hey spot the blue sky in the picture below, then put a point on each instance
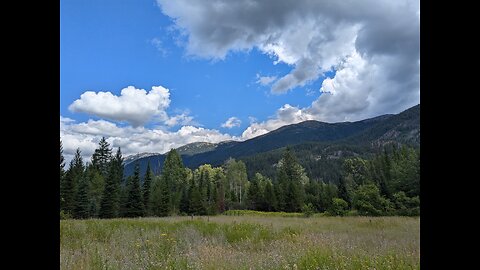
(210, 58)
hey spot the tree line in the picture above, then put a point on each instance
(387, 184)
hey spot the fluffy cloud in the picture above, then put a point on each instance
(180, 119)
(134, 106)
(373, 46)
(132, 140)
(232, 122)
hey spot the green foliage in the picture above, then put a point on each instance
(237, 182)
(270, 197)
(160, 202)
(102, 156)
(174, 177)
(110, 204)
(406, 206)
(368, 201)
(146, 188)
(308, 210)
(291, 178)
(134, 206)
(72, 178)
(338, 208)
(81, 209)
(64, 215)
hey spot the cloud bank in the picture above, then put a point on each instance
(373, 45)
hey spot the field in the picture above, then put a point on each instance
(241, 242)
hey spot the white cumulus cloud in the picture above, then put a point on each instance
(132, 140)
(232, 122)
(134, 106)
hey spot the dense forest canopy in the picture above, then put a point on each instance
(386, 183)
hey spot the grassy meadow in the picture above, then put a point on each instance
(247, 241)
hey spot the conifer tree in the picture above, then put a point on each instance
(74, 174)
(102, 156)
(81, 208)
(270, 198)
(173, 174)
(62, 175)
(134, 206)
(110, 205)
(147, 182)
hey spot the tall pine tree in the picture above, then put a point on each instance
(147, 183)
(173, 175)
(81, 208)
(110, 205)
(72, 179)
(62, 175)
(290, 177)
(134, 205)
(102, 156)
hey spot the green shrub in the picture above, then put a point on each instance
(308, 210)
(64, 215)
(368, 201)
(338, 208)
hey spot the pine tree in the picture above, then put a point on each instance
(160, 203)
(290, 176)
(173, 174)
(62, 175)
(74, 174)
(253, 195)
(110, 205)
(270, 198)
(147, 182)
(185, 201)
(134, 206)
(101, 157)
(81, 208)
(196, 203)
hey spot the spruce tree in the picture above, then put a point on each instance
(62, 175)
(196, 203)
(164, 207)
(102, 156)
(185, 201)
(270, 198)
(290, 175)
(110, 204)
(134, 206)
(81, 208)
(74, 174)
(173, 174)
(253, 195)
(147, 182)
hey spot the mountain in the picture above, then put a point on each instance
(200, 147)
(131, 158)
(319, 146)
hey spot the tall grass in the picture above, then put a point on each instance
(241, 242)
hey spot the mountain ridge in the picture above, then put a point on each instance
(367, 134)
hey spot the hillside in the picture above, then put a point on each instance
(319, 146)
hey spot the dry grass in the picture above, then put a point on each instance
(241, 242)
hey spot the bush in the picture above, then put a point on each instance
(339, 207)
(406, 206)
(64, 215)
(368, 201)
(308, 210)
